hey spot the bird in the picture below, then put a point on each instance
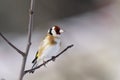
(49, 46)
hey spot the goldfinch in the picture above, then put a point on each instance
(49, 46)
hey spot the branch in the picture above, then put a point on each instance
(19, 51)
(30, 26)
(51, 59)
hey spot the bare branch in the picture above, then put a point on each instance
(51, 59)
(18, 50)
(30, 26)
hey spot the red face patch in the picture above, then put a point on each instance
(57, 29)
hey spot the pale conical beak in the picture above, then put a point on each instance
(61, 31)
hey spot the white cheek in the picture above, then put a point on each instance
(54, 33)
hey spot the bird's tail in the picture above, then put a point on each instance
(34, 63)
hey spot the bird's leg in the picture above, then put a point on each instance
(44, 63)
(53, 58)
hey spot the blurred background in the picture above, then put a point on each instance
(93, 26)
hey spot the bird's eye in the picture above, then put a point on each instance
(50, 31)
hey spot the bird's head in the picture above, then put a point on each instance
(55, 31)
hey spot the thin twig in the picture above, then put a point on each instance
(14, 47)
(51, 59)
(30, 26)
